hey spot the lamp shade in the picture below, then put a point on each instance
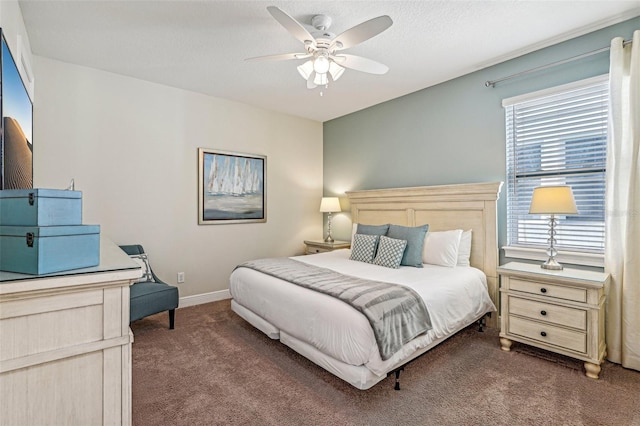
(320, 79)
(553, 200)
(306, 69)
(330, 205)
(335, 70)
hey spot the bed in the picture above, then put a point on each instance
(338, 337)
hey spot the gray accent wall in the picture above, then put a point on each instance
(450, 133)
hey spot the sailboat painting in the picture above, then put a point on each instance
(231, 187)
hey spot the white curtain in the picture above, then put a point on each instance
(622, 220)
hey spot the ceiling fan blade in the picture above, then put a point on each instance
(359, 63)
(280, 57)
(294, 27)
(361, 32)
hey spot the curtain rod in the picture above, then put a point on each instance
(492, 83)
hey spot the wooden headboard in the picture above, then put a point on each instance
(444, 207)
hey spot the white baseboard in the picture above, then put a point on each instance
(199, 299)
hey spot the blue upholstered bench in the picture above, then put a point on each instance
(152, 295)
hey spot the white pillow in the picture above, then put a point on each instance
(143, 261)
(441, 248)
(464, 249)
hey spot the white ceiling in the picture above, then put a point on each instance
(201, 45)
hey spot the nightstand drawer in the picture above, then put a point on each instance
(319, 246)
(549, 290)
(314, 250)
(560, 315)
(550, 334)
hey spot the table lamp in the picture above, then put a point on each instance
(552, 200)
(329, 205)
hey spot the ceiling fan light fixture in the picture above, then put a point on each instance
(321, 79)
(321, 64)
(321, 47)
(306, 69)
(335, 70)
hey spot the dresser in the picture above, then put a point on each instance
(319, 246)
(65, 344)
(559, 311)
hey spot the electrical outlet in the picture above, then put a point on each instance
(180, 277)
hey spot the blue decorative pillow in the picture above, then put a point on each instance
(390, 252)
(372, 229)
(414, 236)
(363, 247)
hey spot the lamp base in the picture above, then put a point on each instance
(552, 264)
(329, 239)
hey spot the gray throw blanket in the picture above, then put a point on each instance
(396, 313)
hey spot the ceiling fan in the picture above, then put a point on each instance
(323, 49)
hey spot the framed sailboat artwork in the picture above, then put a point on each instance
(232, 187)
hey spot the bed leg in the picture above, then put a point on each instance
(482, 323)
(397, 385)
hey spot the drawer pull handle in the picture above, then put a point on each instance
(543, 333)
(543, 290)
(543, 313)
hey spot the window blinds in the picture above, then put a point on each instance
(558, 139)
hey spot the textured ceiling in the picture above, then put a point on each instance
(201, 45)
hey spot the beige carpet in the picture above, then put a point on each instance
(215, 369)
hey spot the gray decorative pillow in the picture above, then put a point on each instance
(363, 247)
(143, 261)
(414, 236)
(390, 252)
(372, 229)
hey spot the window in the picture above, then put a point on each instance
(558, 137)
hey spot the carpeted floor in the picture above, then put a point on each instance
(216, 369)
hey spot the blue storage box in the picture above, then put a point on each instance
(43, 250)
(40, 207)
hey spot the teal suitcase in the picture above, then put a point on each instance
(43, 250)
(40, 207)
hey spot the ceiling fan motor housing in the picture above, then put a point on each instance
(321, 22)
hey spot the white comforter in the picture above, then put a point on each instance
(455, 297)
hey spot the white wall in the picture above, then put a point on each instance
(131, 147)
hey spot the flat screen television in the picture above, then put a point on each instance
(16, 139)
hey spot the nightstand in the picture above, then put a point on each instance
(559, 311)
(319, 246)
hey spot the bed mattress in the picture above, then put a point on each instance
(329, 328)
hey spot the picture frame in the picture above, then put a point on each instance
(232, 187)
(16, 125)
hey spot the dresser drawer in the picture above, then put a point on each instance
(561, 315)
(549, 290)
(547, 333)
